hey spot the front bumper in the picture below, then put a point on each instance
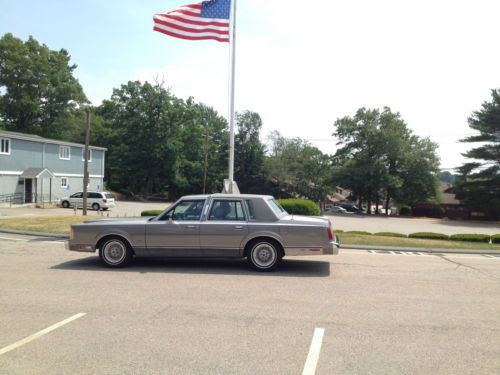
(84, 248)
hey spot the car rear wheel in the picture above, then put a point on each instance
(65, 204)
(115, 252)
(96, 206)
(264, 255)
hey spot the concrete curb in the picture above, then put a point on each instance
(38, 234)
(422, 250)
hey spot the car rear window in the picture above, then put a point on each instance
(108, 195)
(276, 206)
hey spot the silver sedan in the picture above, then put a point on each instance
(254, 227)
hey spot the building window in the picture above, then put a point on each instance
(65, 152)
(5, 146)
(64, 183)
(89, 158)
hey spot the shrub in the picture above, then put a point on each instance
(495, 238)
(428, 210)
(151, 213)
(390, 234)
(429, 236)
(405, 211)
(300, 207)
(470, 237)
(360, 232)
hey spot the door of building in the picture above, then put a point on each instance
(28, 190)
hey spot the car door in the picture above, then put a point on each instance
(177, 233)
(224, 228)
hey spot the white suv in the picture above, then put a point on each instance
(101, 200)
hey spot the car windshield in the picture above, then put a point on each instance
(276, 207)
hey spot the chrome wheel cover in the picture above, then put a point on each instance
(264, 255)
(114, 252)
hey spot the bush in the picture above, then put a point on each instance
(405, 211)
(495, 238)
(300, 207)
(429, 236)
(428, 210)
(390, 234)
(151, 212)
(470, 237)
(360, 232)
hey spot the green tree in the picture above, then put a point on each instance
(381, 158)
(38, 90)
(142, 121)
(479, 187)
(249, 153)
(295, 168)
(203, 133)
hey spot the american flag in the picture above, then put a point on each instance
(205, 20)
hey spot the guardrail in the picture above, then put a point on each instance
(16, 198)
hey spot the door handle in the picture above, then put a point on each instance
(238, 227)
(191, 227)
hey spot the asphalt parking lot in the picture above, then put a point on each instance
(381, 313)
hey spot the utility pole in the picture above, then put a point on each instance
(86, 164)
(206, 161)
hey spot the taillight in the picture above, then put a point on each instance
(104, 200)
(330, 233)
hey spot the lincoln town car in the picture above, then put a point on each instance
(255, 227)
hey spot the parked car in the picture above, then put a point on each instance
(101, 200)
(350, 207)
(337, 210)
(255, 227)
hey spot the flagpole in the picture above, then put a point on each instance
(232, 50)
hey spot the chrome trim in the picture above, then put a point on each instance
(295, 251)
(78, 247)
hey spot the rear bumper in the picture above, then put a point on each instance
(331, 249)
(79, 247)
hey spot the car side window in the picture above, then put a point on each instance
(227, 211)
(251, 210)
(189, 210)
(77, 195)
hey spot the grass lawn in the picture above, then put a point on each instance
(46, 224)
(356, 239)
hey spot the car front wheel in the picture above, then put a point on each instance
(115, 252)
(65, 204)
(264, 255)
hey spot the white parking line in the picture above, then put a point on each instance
(12, 239)
(40, 333)
(313, 356)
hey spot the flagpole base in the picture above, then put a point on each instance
(230, 187)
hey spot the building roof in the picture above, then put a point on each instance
(36, 173)
(447, 194)
(37, 138)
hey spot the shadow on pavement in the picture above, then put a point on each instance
(289, 268)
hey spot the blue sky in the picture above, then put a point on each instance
(300, 65)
